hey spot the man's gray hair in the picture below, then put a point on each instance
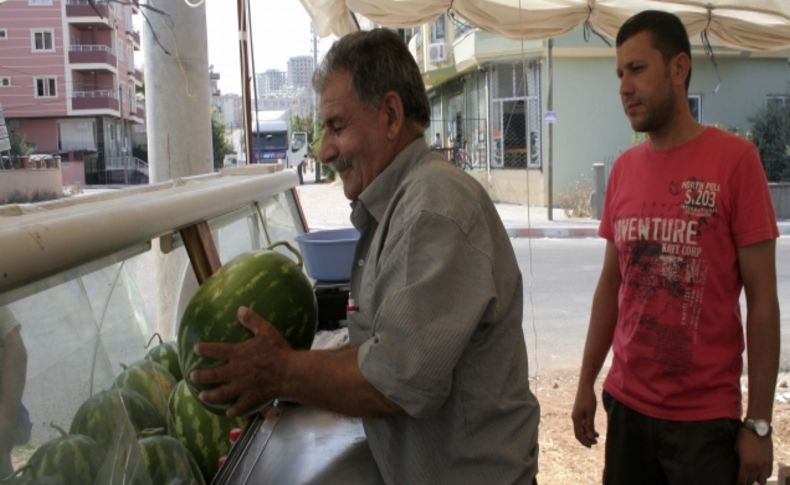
(378, 62)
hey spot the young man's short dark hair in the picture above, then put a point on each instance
(666, 30)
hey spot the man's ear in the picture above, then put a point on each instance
(392, 110)
(680, 66)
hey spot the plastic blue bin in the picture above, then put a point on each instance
(329, 255)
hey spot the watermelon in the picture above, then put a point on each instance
(203, 433)
(103, 415)
(267, 282)
(71, 459)
(166, 355)
(150, 380)
(167, 461)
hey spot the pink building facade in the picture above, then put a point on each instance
(68, 80)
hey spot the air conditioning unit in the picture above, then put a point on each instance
(437, 53)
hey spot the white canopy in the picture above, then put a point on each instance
(742, 24)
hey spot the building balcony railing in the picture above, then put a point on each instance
(92, 54)
(135, 37)
(84, 8)
(95, 99)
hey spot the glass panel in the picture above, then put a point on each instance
(81, 329)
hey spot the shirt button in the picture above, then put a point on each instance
(361, 263)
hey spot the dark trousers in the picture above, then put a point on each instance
(641, 450)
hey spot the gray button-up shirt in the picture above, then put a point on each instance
(439, 327)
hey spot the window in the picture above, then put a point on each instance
(437, 29)
(778, 99)
(695, 105)
(39, 2)
(43, 41)
(5, 82)
(46, 87)
(3, 34)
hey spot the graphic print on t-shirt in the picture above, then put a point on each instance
(666, 273)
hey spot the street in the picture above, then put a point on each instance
(559, 280)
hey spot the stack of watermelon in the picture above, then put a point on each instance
(119, 433)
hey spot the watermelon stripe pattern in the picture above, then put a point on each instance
(166, 355)
(267, 282)
(150, 380)
(106, 413)
(71, 460)
(203, 434)
(167, 461)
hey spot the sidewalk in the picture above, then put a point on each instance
(325, 207)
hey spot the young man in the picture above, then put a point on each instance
(437, 365)
(689, 223)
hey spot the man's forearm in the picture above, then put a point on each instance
(14, 370)
(331, 379)
(762, 340)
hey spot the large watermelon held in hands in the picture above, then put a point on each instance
(267, 282)
(150, 380)
(166, 355)
(103, 415)
(71, 459)
(167, 461)
(203, 433)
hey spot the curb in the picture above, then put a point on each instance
(552, 232)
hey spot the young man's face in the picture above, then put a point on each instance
(646, 88)
(354, 136)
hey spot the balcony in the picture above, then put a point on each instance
(134, 36)
(92, 54)
(82, 12)
(105, 99)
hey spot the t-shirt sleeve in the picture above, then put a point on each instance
(422, 328)
(753, 218)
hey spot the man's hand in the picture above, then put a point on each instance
(583, 416)
(254, 371)
(756, 457)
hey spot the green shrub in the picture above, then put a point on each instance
(771, 134)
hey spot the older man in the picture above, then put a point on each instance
(437, 365)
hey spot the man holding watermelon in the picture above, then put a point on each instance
(437, 366)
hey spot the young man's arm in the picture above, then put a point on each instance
(603, 319)
(757, 265)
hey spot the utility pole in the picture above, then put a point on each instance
(316, 163)
(245, 79)
(550, 108)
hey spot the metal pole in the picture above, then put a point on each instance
(316, 163)
(254, 75)
(245, 80)
(550, 107)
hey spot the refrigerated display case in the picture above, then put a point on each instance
(91, 279)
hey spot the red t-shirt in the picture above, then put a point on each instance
(676, 218)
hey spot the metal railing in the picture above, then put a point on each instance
(91, 48)
(95, 93)
(87, 2)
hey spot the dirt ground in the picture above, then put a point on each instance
(564, 461)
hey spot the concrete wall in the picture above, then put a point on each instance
(73, 173)
(28, 181)
(780, 194)
(513, 186)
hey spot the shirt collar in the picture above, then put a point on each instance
(376, 196)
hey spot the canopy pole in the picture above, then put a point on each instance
(550, 107)
(245, 79)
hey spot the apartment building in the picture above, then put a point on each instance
(68, 82)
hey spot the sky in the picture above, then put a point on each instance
(281, 29)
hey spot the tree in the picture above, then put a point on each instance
(221, 144)
(20, 146)
(771, 136)
(303, 123)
